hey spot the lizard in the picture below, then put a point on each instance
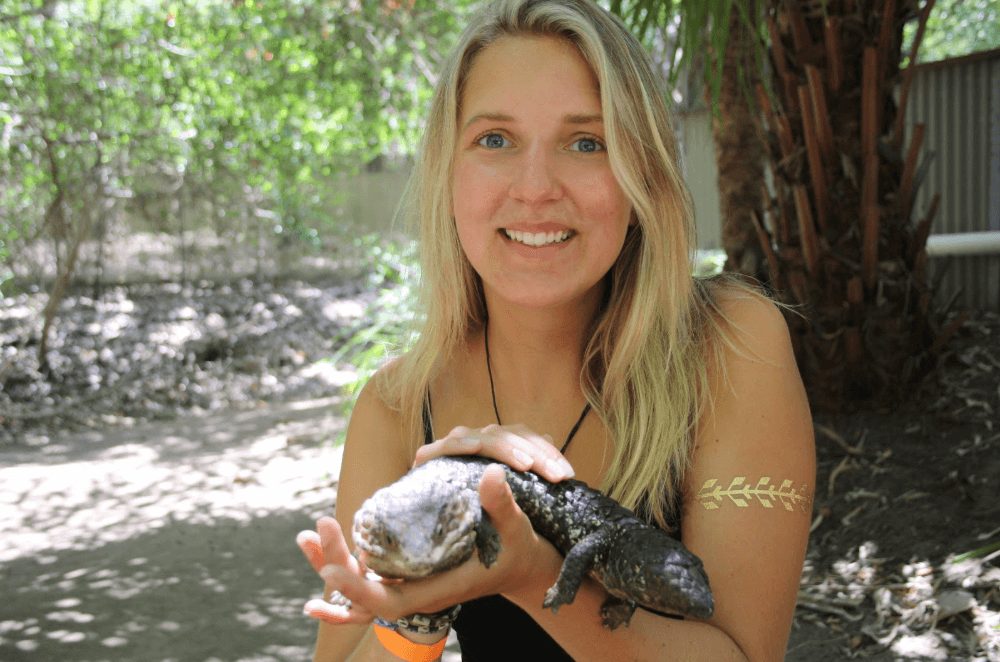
(430, 520)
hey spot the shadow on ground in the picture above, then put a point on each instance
(226, 591)
(170, 541)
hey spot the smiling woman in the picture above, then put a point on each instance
(564, 335)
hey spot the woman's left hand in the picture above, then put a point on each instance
(517, 446)
(525, 560)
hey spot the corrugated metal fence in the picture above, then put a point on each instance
(959, 102)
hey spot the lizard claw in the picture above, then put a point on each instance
(554, 599)
(615, 612)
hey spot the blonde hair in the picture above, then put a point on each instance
(644, 366)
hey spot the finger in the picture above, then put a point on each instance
(365, 595)
(497, 499)
(469, 443)
(515, 445)
(333, 543)
(395, 599)
(336, 614)
(524, 450)
(548, 461)
(312, 546)
(492, 441)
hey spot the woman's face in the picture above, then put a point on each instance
(539, 213)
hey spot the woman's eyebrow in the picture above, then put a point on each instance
(593, 118)
(573, 118)
(493, 117)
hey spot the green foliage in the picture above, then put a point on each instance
(678, 31)
(981, 552)
(956, 28)
(240, 108)
(708, 263)
(390, 319)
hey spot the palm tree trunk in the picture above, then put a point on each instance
(739, 152)
(848, 251)
(836, 229)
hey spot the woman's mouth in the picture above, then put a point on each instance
(537, 239)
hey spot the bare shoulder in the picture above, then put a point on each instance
(758, 407)
(754, 327)
(371, 412)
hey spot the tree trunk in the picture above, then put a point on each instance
(64, 276)
(842, 241)
(739, 152)
(838, 232)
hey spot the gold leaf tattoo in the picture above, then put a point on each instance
(742, 493)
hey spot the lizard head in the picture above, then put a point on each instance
(405, 533)
(669, 578)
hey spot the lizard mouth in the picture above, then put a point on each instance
(410, 555)
(403, 564)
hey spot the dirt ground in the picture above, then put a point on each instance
(159, 524)
(903, 497)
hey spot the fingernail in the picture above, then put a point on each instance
(468, 442)
(567, 468)
(328, 572)
(553, 469)
(523, 457)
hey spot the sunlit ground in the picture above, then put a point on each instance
(171, 541)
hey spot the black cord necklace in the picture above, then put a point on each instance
(493, 395)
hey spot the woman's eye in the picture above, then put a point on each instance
(587, 145)
(493, 141)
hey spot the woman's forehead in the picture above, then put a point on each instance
(517, 70)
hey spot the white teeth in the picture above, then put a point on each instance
(537, 238)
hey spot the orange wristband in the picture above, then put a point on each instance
(407, 650)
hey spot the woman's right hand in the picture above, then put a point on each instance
(517, 446)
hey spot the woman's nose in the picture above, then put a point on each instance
(535, 178)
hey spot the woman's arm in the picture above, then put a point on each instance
(757, 439)
(374, 455)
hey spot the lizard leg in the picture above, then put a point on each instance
(579, 560)
(616, 611)
(487, 541)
